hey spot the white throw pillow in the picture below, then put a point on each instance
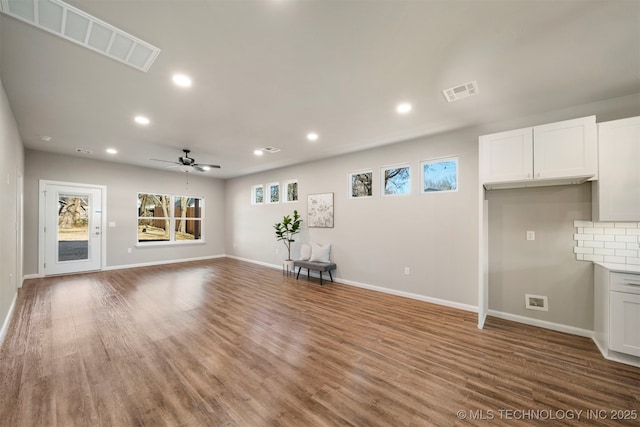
(320, 253)
(305, 252)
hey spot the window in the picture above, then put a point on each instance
(360, 184)
(274, 193)
(396, 180)
(257, 194)
(291, 190)
(439, 175)
(166, 218)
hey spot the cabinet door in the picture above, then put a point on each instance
(625, 323)
(507, 156)
(566, 149)
(618, 188)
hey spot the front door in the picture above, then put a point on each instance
(73, 228)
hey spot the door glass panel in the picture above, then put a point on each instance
(73, 227)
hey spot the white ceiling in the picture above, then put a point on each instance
(267, 72)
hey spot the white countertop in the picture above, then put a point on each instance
(620, 268)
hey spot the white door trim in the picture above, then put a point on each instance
(42, 220)
(19, 228)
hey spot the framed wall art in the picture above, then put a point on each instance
(320, 210)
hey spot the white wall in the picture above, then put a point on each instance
(123, 182)
(11, 165)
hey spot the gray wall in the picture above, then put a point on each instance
(436, 235)
(546, 265)
(374, 239)
(123, 182)
(11, 166)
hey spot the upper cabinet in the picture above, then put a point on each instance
(552, 154)
(616, 195)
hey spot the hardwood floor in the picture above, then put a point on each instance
(224, 342)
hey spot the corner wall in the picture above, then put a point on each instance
(11, 168)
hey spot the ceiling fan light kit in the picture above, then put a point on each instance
(188, 164)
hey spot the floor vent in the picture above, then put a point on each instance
(70, 23)
(462, 91)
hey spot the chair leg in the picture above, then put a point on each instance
(321, 278)
(299, 268)
(308, 274)
(330, 275)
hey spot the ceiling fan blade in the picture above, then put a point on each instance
(204, 165)
(166, 161)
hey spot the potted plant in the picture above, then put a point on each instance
(285, 231)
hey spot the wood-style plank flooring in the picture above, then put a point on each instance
(225, 342)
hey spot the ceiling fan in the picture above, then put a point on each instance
(188, 164)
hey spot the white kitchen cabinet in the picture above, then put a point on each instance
(508, 156)
(617, 314)
(557, 153)
(616, 194)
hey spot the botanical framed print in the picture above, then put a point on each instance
(439, 175)
(273, 194)
(291, 190)
(396, 180)
(257, 194)
(320, 210)
(360, 184)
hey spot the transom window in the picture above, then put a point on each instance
(167, 218)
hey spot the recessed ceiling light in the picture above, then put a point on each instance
(258, 152)
(182, 80)
(141, 120)
(403, 108)
(112, 151)
(205, 168)
(45, 138)
(312, 136)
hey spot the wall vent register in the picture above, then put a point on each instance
(72, 24)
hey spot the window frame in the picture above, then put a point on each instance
(383, 181)
(173, 221)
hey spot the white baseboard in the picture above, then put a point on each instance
(7, 320)
(418, 297)
(438, 301)
(542, 324)
(142, 264)
(152, 263)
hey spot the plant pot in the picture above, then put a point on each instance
(287, 266)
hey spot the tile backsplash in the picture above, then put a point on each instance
(611, 242)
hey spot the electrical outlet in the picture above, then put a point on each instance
(129, 250)
(407, 271)
(531, 235)
(277, 251)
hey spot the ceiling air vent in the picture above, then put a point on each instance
(84, 151)
(462, 91)
(70, 23)
(271, 150)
